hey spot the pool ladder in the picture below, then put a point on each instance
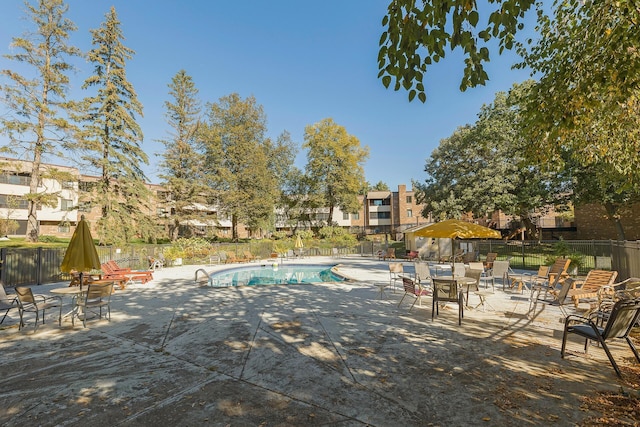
(210, 279)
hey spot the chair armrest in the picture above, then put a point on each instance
(576, 319)
(45, 298)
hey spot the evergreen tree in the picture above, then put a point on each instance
(182, 163)
(111, 137)
(36, 123)
(334, 166)
(239, 171)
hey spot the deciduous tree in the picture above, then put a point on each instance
(239, 169)
(481, 169)
(583, 115)
(418, 32)
(36, 123)
(334, 167)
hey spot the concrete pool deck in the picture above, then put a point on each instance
(177, 352)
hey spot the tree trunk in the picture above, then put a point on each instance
(614, 216)
(234, 228)
(174, 230)
(33, 229)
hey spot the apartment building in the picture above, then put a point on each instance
(380, 212)
(391, 212)
(61, 181)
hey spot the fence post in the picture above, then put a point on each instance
(3, 270)
(39, 266)
(523, 264)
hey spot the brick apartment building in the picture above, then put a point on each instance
(381, 212)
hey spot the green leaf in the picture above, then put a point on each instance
(473, 18)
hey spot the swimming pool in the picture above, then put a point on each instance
(274, 274)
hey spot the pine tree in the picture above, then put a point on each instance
(36, 123)
(111, 137)
(182, 163)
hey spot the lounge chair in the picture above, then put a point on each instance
(248, 256)
(109, 274)
(624, 315)
(412, 255)
(557, 270)
(390, 253)
(229, 257)
(587, 289)
(117, 269)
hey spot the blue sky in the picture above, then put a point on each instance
(302, 61)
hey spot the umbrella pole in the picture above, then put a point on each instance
(81, 279)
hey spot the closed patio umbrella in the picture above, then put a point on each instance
(81, 254)
(298, 245)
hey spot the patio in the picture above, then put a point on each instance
(180, 353)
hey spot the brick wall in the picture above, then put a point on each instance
(592, 223)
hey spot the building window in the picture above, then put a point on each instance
(13, 202)
(87, 186)
(379, 215)
(379, 202)
(164, 196)
(63, 228)
(409, 198)
(66, 204)
(355, 216)
(84, 206)
(345, 216)
(70, 185)
(15, 179)
(409, 213)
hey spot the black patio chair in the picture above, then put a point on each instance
(623, 316)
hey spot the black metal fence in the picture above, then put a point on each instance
(42, 265)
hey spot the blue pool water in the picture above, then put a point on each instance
(278, 274)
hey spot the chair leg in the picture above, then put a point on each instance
(5, 316)
(610, 356)
(21, 325)
(633, 348)
(402, 299)
(564, 341)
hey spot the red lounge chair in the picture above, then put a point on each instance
(129, 276)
